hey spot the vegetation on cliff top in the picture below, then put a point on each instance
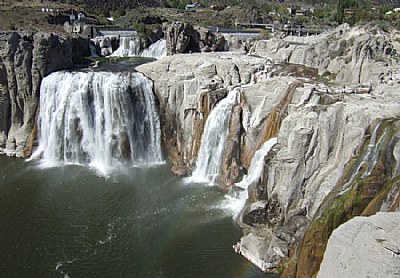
(40, 14)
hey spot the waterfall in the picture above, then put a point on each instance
(157, 50)
(236, 199)
(101, 119)
(370, 157)
(215, 135)
(128, 47)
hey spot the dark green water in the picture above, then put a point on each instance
(69, 222)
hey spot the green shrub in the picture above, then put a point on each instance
(264, 35)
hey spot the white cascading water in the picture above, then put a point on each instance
(157, 50)
(101, 119)
(237, 197)
(128, 47)
(215, 135)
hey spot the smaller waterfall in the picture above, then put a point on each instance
(131, 47)
(128, 47)
(373, 150)
(157, 50)
(236, 199)
(370, 157)
(101, 119)
(373, 153)
(215, 135)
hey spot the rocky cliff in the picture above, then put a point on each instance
(25, 58)
(337, 154)
(351, 55)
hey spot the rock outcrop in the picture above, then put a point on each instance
(364, 247)
(353, 55)
(185, 38)
(25, 59)
(189, 86)
(322, 131)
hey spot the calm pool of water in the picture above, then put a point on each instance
(69, 222)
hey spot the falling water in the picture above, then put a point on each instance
(373, 149)
(238, 195)
(216, 131)
(131, 47)
(370, 158)
(128, 47)
(157, 50)
(102, 119)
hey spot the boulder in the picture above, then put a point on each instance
(364, 247)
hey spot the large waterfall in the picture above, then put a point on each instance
(102, 119)
(237, 197)
(215, 135)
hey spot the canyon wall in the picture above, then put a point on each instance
(25, 58)
(349, 55)
(312, 179)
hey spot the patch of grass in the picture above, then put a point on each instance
(131, 61)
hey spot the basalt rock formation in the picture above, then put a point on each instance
(189, 86)
(185, 38)
(370, 243)
(25, 58)
(353, 55)
(337, 154)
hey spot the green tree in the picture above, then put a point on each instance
(342, 5)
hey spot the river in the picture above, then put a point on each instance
(67, 221)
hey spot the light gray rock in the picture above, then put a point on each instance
(364, 247)
(188, 87)
(25, 59)
(354, 55)
(319, 128)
